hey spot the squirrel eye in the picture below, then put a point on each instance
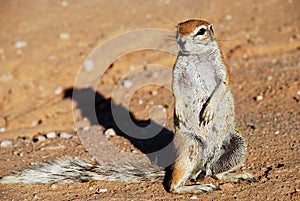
(201, 32)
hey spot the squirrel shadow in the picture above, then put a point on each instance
(99, 111)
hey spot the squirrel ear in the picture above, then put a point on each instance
(211, 29)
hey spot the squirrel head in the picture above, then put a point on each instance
(195, 37)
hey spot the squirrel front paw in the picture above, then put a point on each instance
(207, 114)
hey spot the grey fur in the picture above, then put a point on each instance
(70, 170)
(205, 137)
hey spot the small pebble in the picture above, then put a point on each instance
(102, 190)
(34, 123)
(127, 83)
(53, 186)
(41, 88)
(228, 17)
(91, 188)
(20, 44)
(58, 90)
(259, 97)
(89, 65)
(110, 132)
(270, 78)
(140, 101)
(39, 138)
(134, 151)
(194, 197)
(277, 132)
(86, 128)
(6, 143)
(64, 36)
(65, 135)
(64, 3)
(154, 93)
(2, 129)
(298, 92)
(51, 135)
(6, 76)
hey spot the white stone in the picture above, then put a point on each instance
(110, 132)
(65, 135)
(102, 190)
(40, 138)
(298, 92)
(194, 197)
(20, 44)
(134, 151)
(2, 129)
(228, 17)
(58, 90)
(140, 101)
(154, 93)
(259, 97)
(86, 128)
(51, 135)
(127, 83)
(270, 78)
(6, 143)
(89, 65)
(64, 36)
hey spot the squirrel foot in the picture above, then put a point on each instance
(236, 177)
(196, 189)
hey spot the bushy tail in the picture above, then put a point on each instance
(70, 170)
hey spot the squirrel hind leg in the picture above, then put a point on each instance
(182, 171)
(233, 157)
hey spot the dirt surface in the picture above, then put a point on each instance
(44, 43)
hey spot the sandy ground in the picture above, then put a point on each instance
(44, 43)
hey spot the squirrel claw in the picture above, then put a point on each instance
(207, 116)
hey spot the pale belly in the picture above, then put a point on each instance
(192, 87)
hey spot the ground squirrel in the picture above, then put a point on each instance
(205, 138)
